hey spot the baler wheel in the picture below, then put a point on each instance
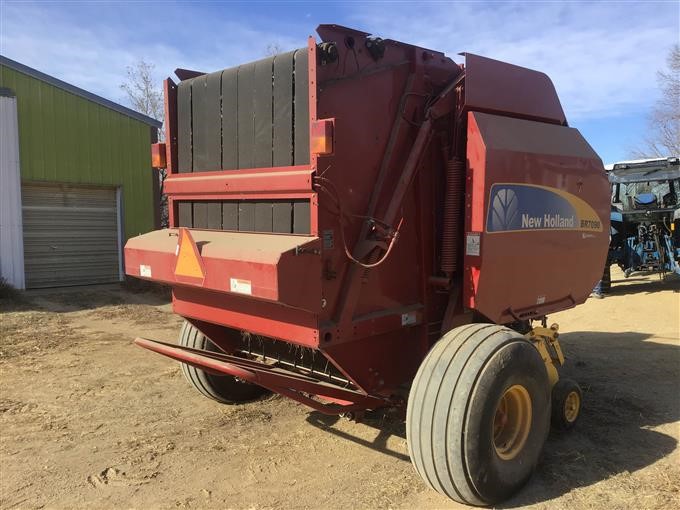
(478, 414)
(567, 399)
(226, 389)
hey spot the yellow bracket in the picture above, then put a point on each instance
(546, 342)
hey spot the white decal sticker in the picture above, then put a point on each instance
(241, 286)
(540, 300)
(472, 241)
(408, 319)
(145, 271)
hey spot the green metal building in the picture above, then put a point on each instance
(75, 183)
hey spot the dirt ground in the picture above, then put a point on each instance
(87, 420)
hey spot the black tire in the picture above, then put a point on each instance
(222, 388)
(567, 401)
(452, 410)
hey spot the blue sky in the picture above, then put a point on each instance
(602, 56)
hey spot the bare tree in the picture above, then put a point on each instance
(145, 95)
(664, 121)
(273, 49)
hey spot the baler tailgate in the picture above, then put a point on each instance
(281, 268)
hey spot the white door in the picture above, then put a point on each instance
(11, 247)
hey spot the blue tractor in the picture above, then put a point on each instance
(645, 216)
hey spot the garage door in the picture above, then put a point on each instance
(70, 235)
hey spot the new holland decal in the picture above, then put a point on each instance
(519, 207)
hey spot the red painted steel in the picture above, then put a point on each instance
(377, 281)
(517, 91)
(281, 268)
(289, 179)
(170, 101)
(273, 378)
(543, 271)
(266, 318)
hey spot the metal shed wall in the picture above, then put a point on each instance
(67, 138)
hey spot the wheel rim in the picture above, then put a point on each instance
(512, 422)
(572, 406)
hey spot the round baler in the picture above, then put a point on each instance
(362, 224)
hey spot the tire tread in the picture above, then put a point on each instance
(436, 401)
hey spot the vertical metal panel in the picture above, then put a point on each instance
(206, 122)
(301, 108)
(246, 216)
(184, 142)
(67, 138)
(263, 111)
(199, 124)
(230, 216)
(230, 119)
(246, 129)
(70, 235)
(283, 217)
(200, 215)
(215, 215)
(11, 233)
(301, 218)
(186, 214)
(264, 108)
(263, 216)
(282, 142)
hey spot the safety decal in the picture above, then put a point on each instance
(518, 207)
(240, 286)
(472, 243)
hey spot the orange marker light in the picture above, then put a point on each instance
(158, 155)
(322, 136)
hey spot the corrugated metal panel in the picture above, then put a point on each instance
(70, 235)
(66, 138)
(17, 66)
(11, 244)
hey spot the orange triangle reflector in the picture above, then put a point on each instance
(189, 266)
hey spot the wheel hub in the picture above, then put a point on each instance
(512, 422)
(572, 406)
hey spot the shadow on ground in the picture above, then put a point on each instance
(642, 285)
(90, 297)
(629, 385)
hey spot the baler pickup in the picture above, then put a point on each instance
(280, 268)
(334, 399)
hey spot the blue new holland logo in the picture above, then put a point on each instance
(517, 207)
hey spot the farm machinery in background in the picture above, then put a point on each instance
(361, 224)
(645, 216)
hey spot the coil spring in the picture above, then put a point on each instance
(452, 215)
